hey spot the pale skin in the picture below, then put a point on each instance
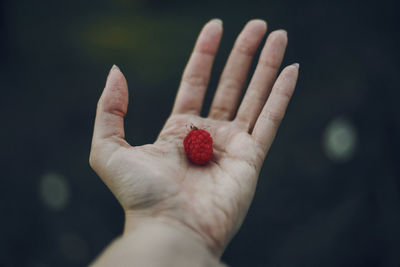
(157, 186)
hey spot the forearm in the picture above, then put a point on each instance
(156, 244)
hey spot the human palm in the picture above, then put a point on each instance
(157, 180)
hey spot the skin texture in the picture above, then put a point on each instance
(156, 181)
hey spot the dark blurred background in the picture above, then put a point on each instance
(329, 192)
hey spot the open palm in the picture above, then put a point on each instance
(157, 180)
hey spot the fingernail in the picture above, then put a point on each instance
(259, 21)
(297, 65)
(283, 31)
(217, 21)
(114, 67)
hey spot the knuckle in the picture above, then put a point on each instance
(220, 111)
(92, 161)
(194, 80)
(231, 82)
(270, 63)
(275, 117)
(247, 43)
(284, 92)
(117, 111)
(242, 121)
(207, 49)
(243, 47)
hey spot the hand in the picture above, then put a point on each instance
(157, 181)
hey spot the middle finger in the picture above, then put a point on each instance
(236, 71)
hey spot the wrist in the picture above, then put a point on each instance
(137, 219)
(168, 242)
(152, 242)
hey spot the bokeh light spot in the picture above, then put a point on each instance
(54, 191)
(340, 140)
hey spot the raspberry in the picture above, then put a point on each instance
(198, 146)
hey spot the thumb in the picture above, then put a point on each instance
(109, 133)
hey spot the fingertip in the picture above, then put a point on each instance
(209, 37)
(280, 32)
(297, 65)
(216, 21)
(279, 36)
(258, 23)
(257, 26)
(289, 76)
(293, 68)
(214, 27)
(115, 76)
(115, 67)
(290, 72)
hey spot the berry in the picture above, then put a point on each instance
(198, 146)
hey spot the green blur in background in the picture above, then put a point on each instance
(329, 192)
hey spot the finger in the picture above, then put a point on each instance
(263, 79)
(272, 114)
(111, 110)
(235, 73)
(197, 72)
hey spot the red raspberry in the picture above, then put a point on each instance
(198, 146)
